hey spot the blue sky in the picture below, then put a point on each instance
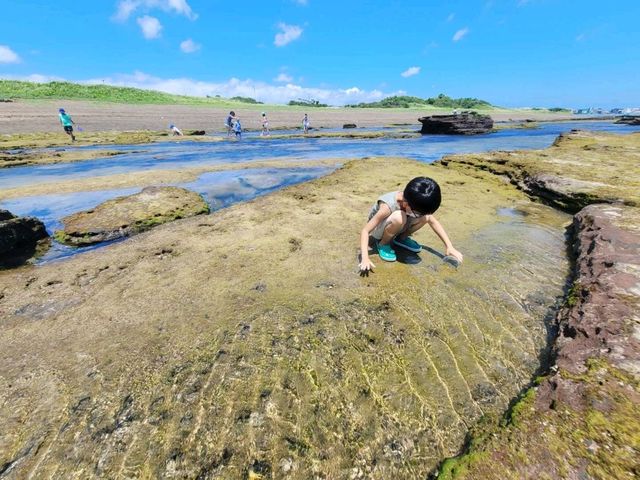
(509, 52)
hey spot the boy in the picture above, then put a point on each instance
(305, 123)
(265, 125)
(175, 130)
(396, 215)
(67, 123)
(237, 127)
(229, 122)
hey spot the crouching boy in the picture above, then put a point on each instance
(397, 215)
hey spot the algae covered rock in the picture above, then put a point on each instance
(245, 344)
(458, 124)
(581, 168)
(20, 238)
(125, 216)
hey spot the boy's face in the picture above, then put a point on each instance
(409, 211)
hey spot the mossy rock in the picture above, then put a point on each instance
(129, 215)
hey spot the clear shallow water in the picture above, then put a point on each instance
(221, 189)
(166, 156)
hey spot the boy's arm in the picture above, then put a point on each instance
(383, 212)
(439, 230)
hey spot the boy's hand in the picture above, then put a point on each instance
(365, 267)
(454, 253)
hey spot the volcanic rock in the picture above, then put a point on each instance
(20, 237)
(129, 215)
(629, 120)
(458, 124)
(349, 125)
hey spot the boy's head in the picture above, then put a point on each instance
(423, 195)
(61, 110)
(232, 113)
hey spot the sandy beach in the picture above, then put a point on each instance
(24, 116)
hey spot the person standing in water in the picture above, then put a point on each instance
(265, 125)
(305, 123)
(237, 128)
(67, 123)
(229, 122)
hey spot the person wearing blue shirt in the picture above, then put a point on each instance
(67, 123)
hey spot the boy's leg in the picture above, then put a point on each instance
(414, 226)
(393, 225)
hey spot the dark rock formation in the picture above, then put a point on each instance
(196, 133)
(599, 319)
(126, 216)
(20, 238)
(458, 124)
(349, 125)
(629, 120)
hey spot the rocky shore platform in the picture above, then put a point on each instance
(244, 344)
(130, 215)
(581, 418)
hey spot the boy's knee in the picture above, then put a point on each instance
(397, 218)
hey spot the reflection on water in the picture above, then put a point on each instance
(426, 148)
(219, 189)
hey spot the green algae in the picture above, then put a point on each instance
(603, 434)
(584, 168)
(245, 340)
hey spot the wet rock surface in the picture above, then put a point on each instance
(130, 215)
(243, 344)
(580, 168)
(20, 238)
(629, 120)
(457, 124)
(581, 420)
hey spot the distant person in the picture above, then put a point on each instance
(67, 123)
(305, 123)
(175, 130)
(237, 128)
(397, 215)
(265, 125)
(229, 122)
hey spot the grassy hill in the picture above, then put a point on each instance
(441, 101)
(14, 89)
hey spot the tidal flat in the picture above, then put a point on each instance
(244, 343)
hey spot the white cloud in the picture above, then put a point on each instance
(460, 34)
(127, 7)
(410, 72)
(34, 77)
(284, 78)
(150, 26)
(7, 55)
(288, 34)
(261, 91)
(189, 46)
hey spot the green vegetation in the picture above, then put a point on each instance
(442, 101)
(306, 103)
(14, 89)
(246, 100)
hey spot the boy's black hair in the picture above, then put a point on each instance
(423, 195)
